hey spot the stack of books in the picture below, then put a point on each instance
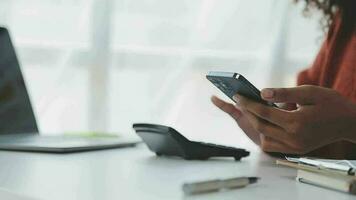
(325, 174)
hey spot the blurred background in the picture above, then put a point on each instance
(102, 65)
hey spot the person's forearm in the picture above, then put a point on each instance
(337, 150)
(351, 129)
(351, 135)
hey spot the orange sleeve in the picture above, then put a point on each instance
(311, 75)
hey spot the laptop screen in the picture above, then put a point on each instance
(16, 114)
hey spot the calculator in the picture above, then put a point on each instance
(166, 141)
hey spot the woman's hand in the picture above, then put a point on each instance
(322, 117)
(239, 117)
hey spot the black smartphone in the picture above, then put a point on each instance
(231, 83)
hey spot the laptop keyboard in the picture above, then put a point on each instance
(35, 140)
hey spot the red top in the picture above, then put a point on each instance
(335, 65)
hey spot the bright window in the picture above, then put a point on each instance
(105, 64)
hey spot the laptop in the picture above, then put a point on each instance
(18, 126)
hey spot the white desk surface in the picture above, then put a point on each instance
(136, 173)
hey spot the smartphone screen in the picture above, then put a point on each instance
(231, 83)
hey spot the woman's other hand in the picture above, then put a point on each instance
(239, 117)
(322, 117)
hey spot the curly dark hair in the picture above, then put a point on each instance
(346, 8)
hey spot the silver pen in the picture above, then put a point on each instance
(217, 185)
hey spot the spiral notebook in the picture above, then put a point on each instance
(337, 175)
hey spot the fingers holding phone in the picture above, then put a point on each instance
(239, 116)
(310, 117)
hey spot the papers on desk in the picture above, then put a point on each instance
(342, 166)
(333, 174)
(7, 195)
